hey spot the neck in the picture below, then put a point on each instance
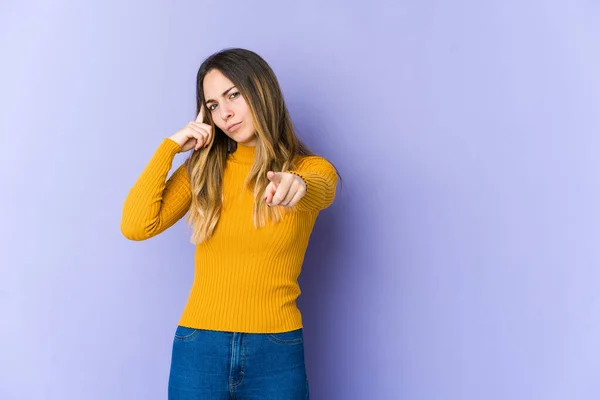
(244, 153)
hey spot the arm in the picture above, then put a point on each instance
(321, 181)
(152, 204)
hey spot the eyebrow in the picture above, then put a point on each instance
(223, 94)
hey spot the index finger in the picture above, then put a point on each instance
(200, 117)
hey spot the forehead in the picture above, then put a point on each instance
(215, 83)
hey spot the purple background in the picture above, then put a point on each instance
(460, 260)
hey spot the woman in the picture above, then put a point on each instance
(252, 191)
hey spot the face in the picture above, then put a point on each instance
(228, 108)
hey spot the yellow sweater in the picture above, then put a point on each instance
(245, 279)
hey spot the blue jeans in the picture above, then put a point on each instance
(215, 365)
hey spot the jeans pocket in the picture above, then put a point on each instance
(291, 337)
(185, 333)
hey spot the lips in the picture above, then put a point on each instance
(233, 126)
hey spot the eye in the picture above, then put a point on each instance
(236, 94)
(211, 107)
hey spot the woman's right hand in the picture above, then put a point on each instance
(194, 135)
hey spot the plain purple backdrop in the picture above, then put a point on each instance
(460, 260)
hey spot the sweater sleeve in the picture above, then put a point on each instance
(152, 204)
(321, 181)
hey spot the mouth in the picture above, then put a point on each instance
(233, 126)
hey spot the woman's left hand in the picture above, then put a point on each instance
(285, 189)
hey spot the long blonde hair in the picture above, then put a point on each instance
(276, 144)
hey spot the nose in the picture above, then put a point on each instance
(226, 112)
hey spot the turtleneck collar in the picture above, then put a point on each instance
(244, 154)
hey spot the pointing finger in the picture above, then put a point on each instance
(200, 117)
(274, 177)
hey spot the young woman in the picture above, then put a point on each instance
(252, 192)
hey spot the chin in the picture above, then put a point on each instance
(242, 137)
